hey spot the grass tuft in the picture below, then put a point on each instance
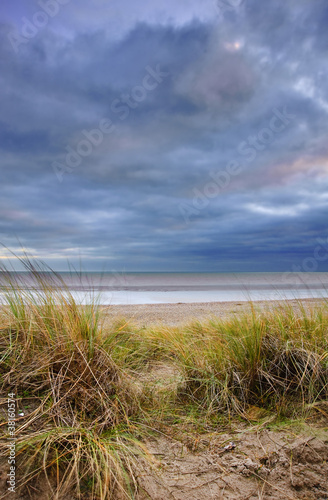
(54, 353)
(96, 389)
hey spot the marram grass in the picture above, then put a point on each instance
(55, 353)
(97, 389)
(77, 459)
(276, 360)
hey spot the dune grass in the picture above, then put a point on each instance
(94, 388)
(276, 360)
(54, 353)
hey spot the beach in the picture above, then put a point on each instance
(178, 314)
(183, 400)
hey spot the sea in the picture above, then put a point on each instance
(160, 288)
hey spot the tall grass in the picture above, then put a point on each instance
(81, 460)
(93, 385)
(277, 360)
(54, 352)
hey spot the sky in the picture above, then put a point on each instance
(163, 135)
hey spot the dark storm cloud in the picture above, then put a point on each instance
(224, 77)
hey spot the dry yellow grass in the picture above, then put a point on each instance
(95, 390)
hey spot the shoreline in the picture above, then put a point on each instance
(179, 313)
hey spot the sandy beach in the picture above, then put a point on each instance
(177, 314)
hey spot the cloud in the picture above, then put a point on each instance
(120, 205)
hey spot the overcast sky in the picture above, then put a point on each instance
(165, 135)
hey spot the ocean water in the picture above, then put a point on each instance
(152, 288)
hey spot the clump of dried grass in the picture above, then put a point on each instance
(276, 360)
(80, 462)
(55, 351)
(92, 383)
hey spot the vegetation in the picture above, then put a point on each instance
(93, 389)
